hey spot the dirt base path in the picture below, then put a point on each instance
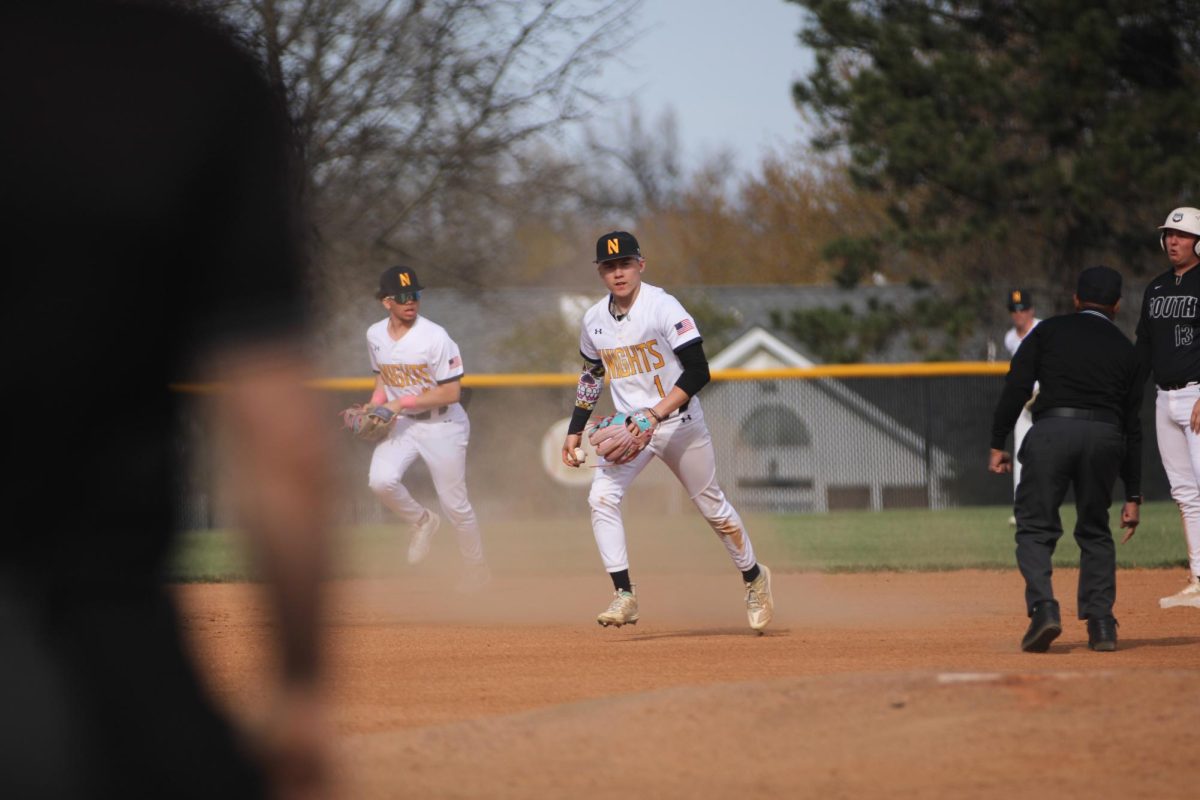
(893, 684)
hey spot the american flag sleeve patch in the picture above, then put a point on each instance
(684, 326)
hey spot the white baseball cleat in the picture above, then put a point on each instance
(475, 578)
(760, 605)
(621, 611)
(1190, 596)
(422, 535)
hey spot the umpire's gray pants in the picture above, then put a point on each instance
(1058, 453)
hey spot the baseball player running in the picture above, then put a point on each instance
(651, 349)
(418, 371)
(1168, 341)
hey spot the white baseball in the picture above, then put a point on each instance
(580, 456)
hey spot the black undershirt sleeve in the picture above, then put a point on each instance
(579, 420)
(583, 411)
(695, 368)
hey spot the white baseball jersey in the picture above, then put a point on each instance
(1012, 339)
(638, 350)
(425, 357)
(420, 360)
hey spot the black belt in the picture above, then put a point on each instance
(1168, 387)
(1093, 414)
(427, 414)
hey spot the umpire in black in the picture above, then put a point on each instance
(1085, 431)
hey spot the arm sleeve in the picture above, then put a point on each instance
(1018, 387)
(695, 368)
(584, 406)
(1142, 344)
(1131, 467)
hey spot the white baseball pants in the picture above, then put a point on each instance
(1180, 451)
(441, 442)
(685, 446)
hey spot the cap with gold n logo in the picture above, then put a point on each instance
(1019, 300)
(618, 244)
(397, 280)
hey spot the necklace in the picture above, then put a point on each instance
(612, 309)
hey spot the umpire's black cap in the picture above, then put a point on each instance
(1099, 285)
(398, 280)
(617, 244)
(1019, 300)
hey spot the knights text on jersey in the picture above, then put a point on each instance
(638, 351)
(1168, 330)
(423, 358)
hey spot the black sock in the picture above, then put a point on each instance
(749, 575)
(621, 581)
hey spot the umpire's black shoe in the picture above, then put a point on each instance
(1044, 627)
(1102, 634)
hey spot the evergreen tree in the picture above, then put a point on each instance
(1030, 138)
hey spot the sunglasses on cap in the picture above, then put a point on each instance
(406, 297)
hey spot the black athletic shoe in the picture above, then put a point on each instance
(1044, 627)
(1102, 634)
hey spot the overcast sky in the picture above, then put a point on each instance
(725, 67)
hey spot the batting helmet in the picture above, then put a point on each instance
(1185, 219)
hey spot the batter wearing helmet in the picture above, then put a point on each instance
(650, 346)
(418, 373)
(1168, 342)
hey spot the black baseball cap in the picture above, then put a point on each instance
(1099, 285)
(617, 244)
(1019, 300)
(398, 280)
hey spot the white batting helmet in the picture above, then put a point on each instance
(1185, 219)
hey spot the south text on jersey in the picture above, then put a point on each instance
(1173, 307)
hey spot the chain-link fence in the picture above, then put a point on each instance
(782, 445)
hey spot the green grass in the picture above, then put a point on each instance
(847, 541)
(956, 538)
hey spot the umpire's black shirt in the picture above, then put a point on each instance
(1081, 360)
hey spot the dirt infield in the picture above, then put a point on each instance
(882, 684)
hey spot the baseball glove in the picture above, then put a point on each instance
(618, 438)
(367, 422)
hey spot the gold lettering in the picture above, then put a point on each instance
(623, 370)
(610, 361)
(401, 375)
(614, 247)
(658, 359)
(405, 279)
(635, 358)
(621, 362)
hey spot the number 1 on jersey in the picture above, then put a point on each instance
(658, 385)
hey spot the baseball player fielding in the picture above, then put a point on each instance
(651, 348)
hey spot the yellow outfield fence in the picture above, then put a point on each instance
(797, 440)
(550, 379)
